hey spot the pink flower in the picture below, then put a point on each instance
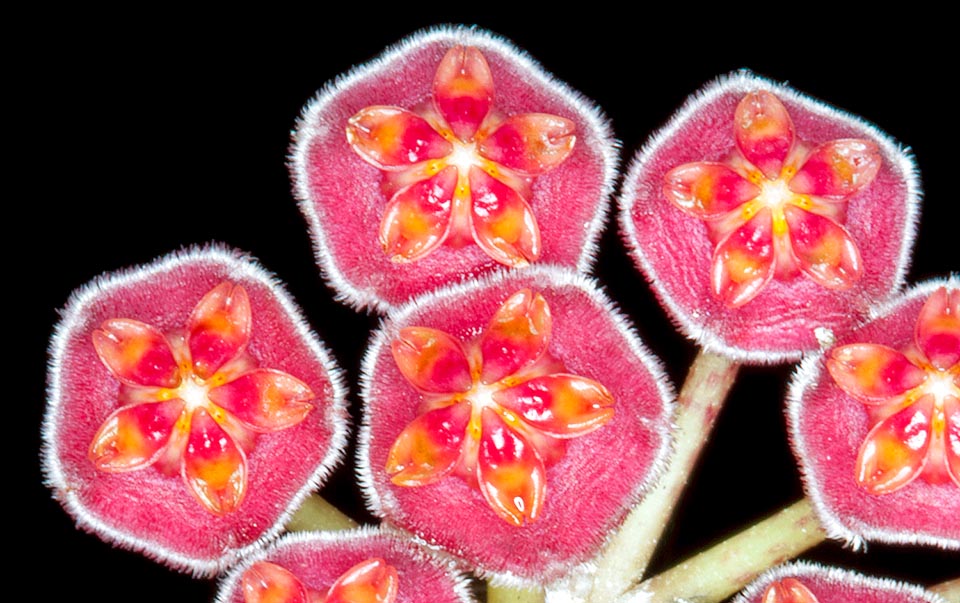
(453, 137)
(191, 409)
(875, 423)
(370, 581)
(498, 382)
(765, 220)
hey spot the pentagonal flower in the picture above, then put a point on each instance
(495, 409)
(763, 218)
(361, 566)
(191, 409)
(450, 155)
(875, 422)
(810, 583)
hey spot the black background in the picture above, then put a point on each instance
(149, 136)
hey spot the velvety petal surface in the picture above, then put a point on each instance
(267, 582)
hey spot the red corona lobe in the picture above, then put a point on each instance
(789, 590)
(370, 581)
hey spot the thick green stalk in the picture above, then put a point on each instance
(948, 590)
(317, 514)
(503, 594)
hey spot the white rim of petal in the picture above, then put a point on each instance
(310, 123)
(460, 580)
(804, 569)
(541, 275)
(745, 81)
(856, 534)
(242, 267)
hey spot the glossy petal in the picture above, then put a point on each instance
(431, 360)
(267, 582)
(838, 169)
(895, 450)
(560, 405)
(822, 249)
(219, 328)
(417, 218)
(707, 190)
(743, 262)
(392, 138)
(429, 447)
(134, 436)
(503, 223)
(764, 131)
(951, 411)
(136, 353)
(510, 472)
(873, 373)
(517, 336)
(370, 581)
(938, 328)
(789, 590)
(530, 143)
(265, 399)
(213, 466)
(463, 90)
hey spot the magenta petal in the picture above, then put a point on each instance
(674, 249)
(585, 333)
(569, 201)
(154, 512)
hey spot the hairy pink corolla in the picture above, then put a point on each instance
(355, 566)
(452, 137)
(177, 393)
(804, 582)
(496, 409)
(875, 423)
(498, 382)
(765, 220)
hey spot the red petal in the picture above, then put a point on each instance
(938, 328)
(895, 450)
(951, 411)
(517, 335)
(788, 590)
(134, 436)
(561, 405)
(511, 474)
(531, 143)
(267, 582)
(463, 90)
(822, 249)
(707, 190)
(265, 399)
(764, 131)
(873, 373)
(219, 328)
(838, 169)
(743, 262)
(417, 218)
(503, 223)
(136, 353)
(431, 360)
(213, 466)
(370, 581)
(393, 139)
(429, 447)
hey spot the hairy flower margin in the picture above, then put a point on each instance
(146, 510)
(675, 250)
(612, 466)
(341, 196)
(828, 428)
(831, 585)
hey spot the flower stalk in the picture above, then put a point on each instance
(316, 513)
(506, 594)
(949, 590)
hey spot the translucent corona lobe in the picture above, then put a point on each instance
(458, 170)
(774, 206)
(497, 408)
(370, 581)
(193, 401)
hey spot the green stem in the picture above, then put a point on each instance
(317, 514)
(949, 590)
(503, 594)
(626, 557)
(727, 567)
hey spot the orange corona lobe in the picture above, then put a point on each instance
(498, 408)
(370, 581)
(789, 590)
